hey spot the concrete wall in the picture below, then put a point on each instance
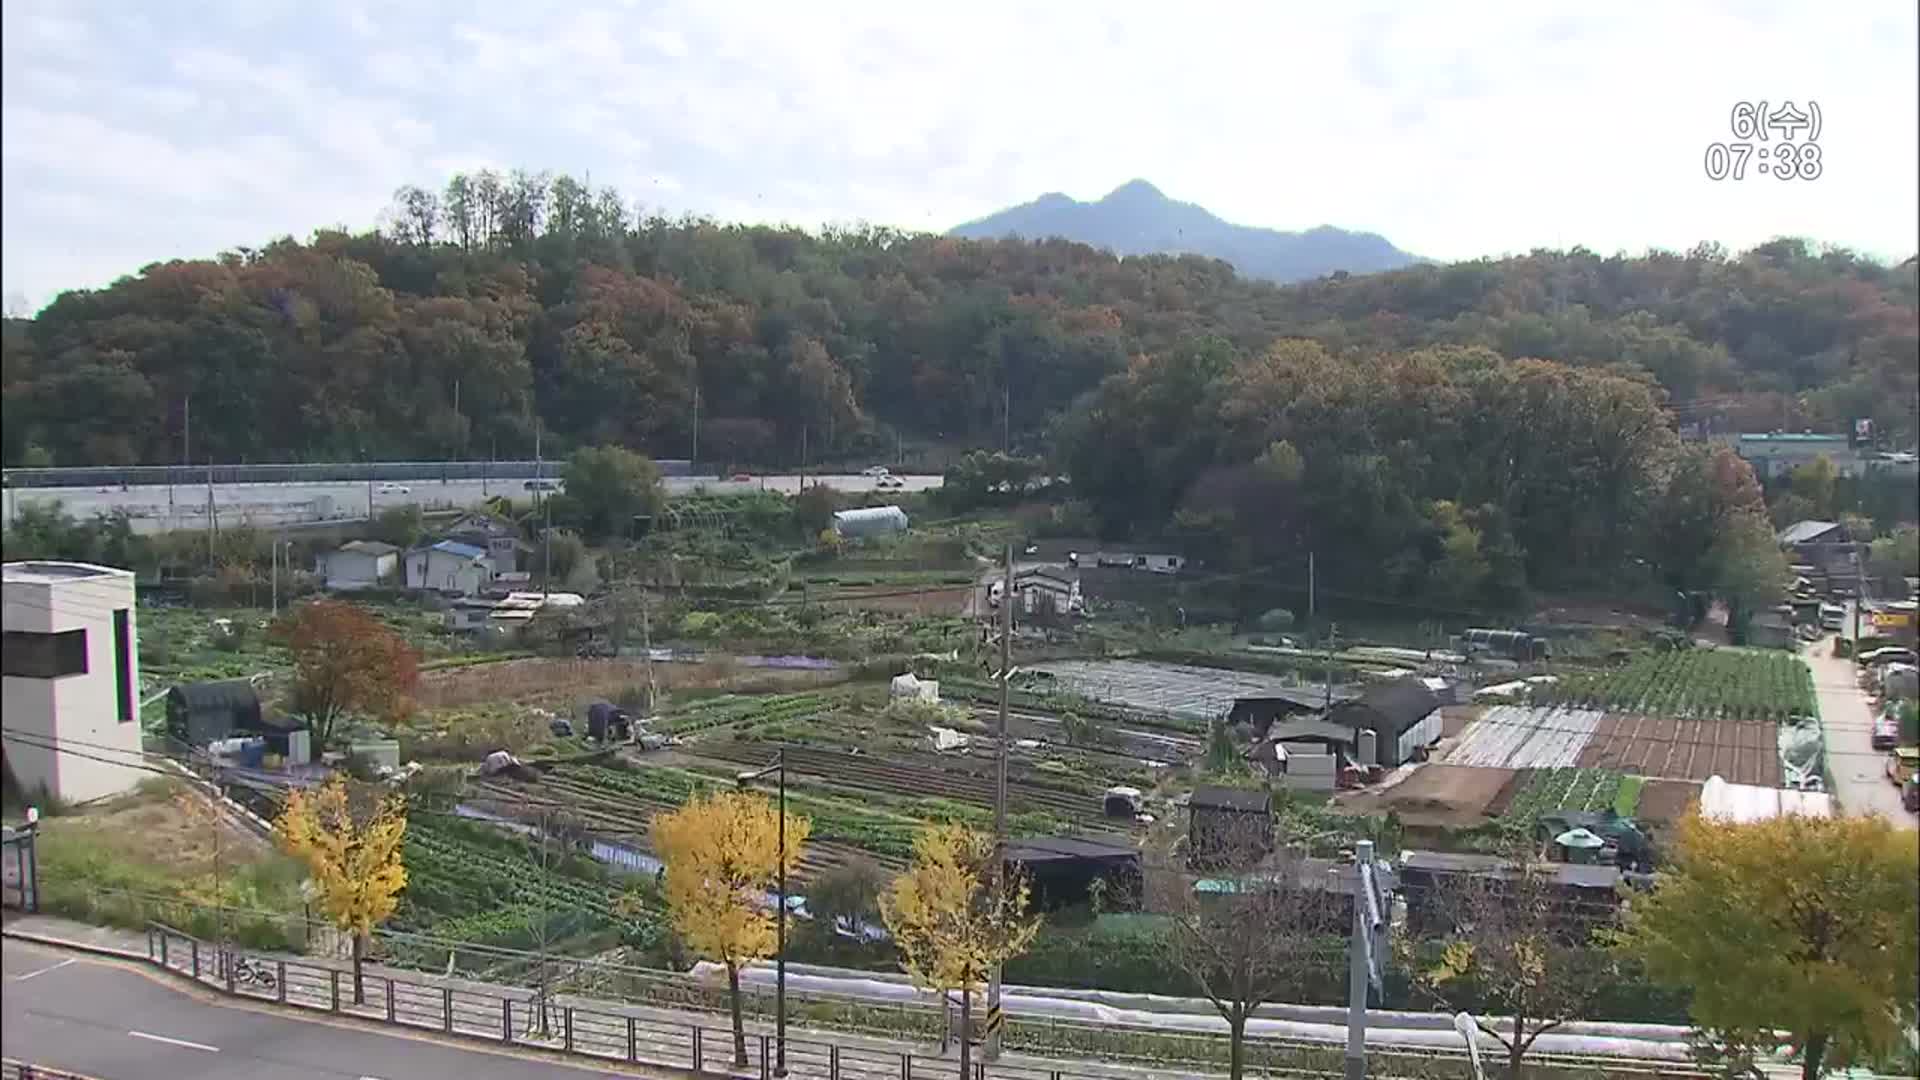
(77, 712)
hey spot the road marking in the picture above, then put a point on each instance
(175, 1042)
(44, 970)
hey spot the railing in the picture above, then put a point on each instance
(521, 1019)
(21, 1070)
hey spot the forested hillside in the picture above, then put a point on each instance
(503, 303)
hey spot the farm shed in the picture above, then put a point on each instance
(1584, 894)
(1062, 871)
(1228, 827)
(199, 713)
(1045, 591)
(1770, 631)
(1404, 714)
(359, 564)
(1258, 713)
(205, 712)
(869, 521)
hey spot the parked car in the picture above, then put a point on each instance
(391, 488)
(1886, 731)
(1889, 654)
(1833, 617)
(542, 485)
(741, 478)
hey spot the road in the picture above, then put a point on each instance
(155, 509)
(1860, 781)
(105, 1020)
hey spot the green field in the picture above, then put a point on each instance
(1702, 684)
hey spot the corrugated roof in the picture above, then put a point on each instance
(370, 547)
(1401, 703)
(465, 551)
(1790, 437)
(1801, 532)
(224, 694)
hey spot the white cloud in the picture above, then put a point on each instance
(1454, 129)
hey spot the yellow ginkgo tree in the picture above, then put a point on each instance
(351, 845)
(722, 855)
(952, 921)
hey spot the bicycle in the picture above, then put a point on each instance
(256, 972)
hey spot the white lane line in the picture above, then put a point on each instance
(175, 1042)
(44, 970)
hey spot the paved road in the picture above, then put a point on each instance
(153, 507)
(1846, 712)
(108, 1021)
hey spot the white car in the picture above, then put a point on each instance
(875, 471)
(889, 481)
(542, 485)
(393, 489)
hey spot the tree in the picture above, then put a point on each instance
(1511, 952)
(1795, 924)
(351, 844)
(950, 921)
(345, 662)
(845, 899)
(722, 854)
(611, 485)
(1748, 569)
(1814, 482)
(1210, 936)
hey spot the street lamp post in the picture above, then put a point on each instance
(745, 779)
(1469, 1029)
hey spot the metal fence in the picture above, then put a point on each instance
(522, 1019)
(11, 1069)
(318, 472)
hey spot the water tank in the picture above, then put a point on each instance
(870, 521)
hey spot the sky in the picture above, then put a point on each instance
(137, 133)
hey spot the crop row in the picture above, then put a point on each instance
(1725, 684)
(1547, 790)
(721, 711)
(456, 870)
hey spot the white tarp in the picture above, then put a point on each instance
(1741, 803)
(945, 738)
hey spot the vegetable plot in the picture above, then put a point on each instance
(1700, 684)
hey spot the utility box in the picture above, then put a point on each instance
(1367, 753)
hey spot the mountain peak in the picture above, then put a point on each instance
(1135, 190)
(1136, 218)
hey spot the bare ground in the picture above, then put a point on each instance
(1444, 795)
(1666, 801)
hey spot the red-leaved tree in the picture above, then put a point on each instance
(346, 662)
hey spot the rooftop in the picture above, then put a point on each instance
(370, 547)
(1790, 437)
(48, 572)
(1801, 532)
(465, 551)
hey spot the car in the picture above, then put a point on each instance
(742, 478)
(889, 482)
(391, 488)
(543, 485)
(875, 471)
(1886, 732)
(1888, 654)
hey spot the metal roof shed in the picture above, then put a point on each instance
(200, 713)
(870, 521)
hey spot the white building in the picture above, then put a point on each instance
(449, 567)
(71, 705)
(360, 564)
(1047, 591)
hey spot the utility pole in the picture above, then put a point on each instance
(1859, 595)
(1363, 963)
(273, 574)
(1333, 631)
(213, 519)
(1006, 419)
(1310, 592)
(696, 417)
(991, 1051)
(546, 575)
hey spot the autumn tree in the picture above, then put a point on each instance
(1795, 924)
(722, 855)
(1209, 934)
(1748, 569)
(351, 842)
(1510, 951)
(345, 662)
(610, 485)
(954, 919)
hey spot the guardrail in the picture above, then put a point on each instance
(318, 472)
(523, 1020)
(11, 1069)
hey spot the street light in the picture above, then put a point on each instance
(1469, 1029)
(745, 780)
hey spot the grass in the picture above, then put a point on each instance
(1627, 799)
(148, 858)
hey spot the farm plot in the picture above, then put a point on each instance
(468, 883)
(1697, 684)
(1442, 795)
(1522, 737)
(1195, 694)
(1742, 752)
(1537, 791)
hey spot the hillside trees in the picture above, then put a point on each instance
(538, 296)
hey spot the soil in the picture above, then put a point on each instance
(903, 599)
(1742, 752)
(1435, 795)
(162, 831)
(1666, 801)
